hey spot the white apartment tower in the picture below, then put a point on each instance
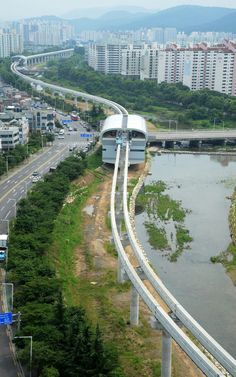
(106, 57)
(211, 67)
(149, 64)
(170, 65)
(10, 43)
(131, 61)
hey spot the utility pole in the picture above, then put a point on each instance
(31, 350)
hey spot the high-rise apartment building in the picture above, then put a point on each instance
(10, 43)
(46, 32)
(198, 67)
(170, 35)
(211, 67)
(106, 57)
(131, 60)
(149, 63)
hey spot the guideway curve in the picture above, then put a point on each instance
(222, 356)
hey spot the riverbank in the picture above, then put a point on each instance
(91, 281)
(228, 258)
(156, 150)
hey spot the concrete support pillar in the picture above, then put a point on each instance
(166, 354)
(119, 271)
(134, 307)
(169, 144)
(194, 144)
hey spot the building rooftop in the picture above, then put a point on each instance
(114, 122)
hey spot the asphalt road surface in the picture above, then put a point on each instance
(13, 187)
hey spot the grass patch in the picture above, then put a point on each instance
(67, 236)
(108, 221)
(110, 248)
(158, 205)
(182, 237)
(163, 210)
(157, 237)
(227, 258)
(94, 160)
(96, 293)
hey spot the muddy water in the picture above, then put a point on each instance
(203, 184)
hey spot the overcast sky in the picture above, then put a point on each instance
(14, 9)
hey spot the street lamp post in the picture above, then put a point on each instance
(31, 350)
(7, 164)
(42, 141)
(12, 293)
(214, 122)
(7, 221)
(176, 125)
(26, 186)
(14, 205)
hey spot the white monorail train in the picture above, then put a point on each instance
(112, 134)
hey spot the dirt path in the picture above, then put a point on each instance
(146, 342)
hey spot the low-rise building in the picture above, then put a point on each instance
(9, 136)
(40, 120)
(23, 126)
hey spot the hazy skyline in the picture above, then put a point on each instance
(13, 9)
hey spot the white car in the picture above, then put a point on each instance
(35, 177)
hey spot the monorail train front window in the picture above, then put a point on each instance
(137, 135)
(111, 133)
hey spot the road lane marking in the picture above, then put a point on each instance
(28, 176)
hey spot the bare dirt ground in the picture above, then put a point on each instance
(96, 235)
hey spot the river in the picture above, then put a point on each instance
(202, 183)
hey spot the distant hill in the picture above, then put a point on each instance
(226, 23)
(97, 12)
(114, 20)
(184, 18)
(45, 18)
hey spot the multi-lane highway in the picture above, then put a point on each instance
(13, 187)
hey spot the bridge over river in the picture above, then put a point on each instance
(193, 135)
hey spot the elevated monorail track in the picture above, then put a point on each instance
(197, 355)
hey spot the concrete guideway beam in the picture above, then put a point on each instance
(195, 354)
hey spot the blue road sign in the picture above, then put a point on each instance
(6, 318)
(86, 135)
(65, 121)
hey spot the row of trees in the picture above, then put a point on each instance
(64, 343)
(144, 95)
(13, 157)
